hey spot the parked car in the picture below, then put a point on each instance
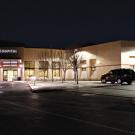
(119, 75)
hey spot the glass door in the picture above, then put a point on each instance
(5, 75)
(10, 75)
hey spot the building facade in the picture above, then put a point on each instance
(20, 63)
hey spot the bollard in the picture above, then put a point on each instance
(33, 79)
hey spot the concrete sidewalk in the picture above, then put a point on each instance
(91, 87)
(66, 84)
(72, 84)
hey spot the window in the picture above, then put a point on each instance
(29, 72)
(92, 64)
(83, 69)
(83, 65)
(56, 69)
(29, 68)
(56, 72)
(43, 69)
(56, 65)
(82, 62)
(43, 64)
(29, 64)
(43, 73)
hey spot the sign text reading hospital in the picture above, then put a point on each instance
(8, 51)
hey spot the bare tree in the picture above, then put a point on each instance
(65, 63)
(75, 61)
(51, 54)
(55, 64)
(45, 62)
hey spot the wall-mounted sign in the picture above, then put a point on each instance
(4, 51)
(11, 53)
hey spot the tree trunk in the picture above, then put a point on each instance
(44, 75)
(52, 74)
(77, 76)
(74, 74)
(64, 74)
(61, 76)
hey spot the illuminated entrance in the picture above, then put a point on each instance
(9, 75)
(12, 69)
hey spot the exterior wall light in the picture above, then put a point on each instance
(93, 68)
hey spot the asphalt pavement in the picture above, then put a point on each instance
(63, 112)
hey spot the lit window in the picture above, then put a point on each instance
(43, 64)
(56, 69)
(83, 69)
(29, 64)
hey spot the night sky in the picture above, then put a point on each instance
(62, 23)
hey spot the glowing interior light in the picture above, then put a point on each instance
(20, 61)
(20, 66)
(97, 62)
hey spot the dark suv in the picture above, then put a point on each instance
(119, 76)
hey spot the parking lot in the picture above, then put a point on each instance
(83, 109)
(80, 110)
